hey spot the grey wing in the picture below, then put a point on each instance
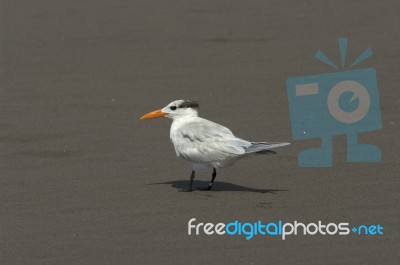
(205, 141)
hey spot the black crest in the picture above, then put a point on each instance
(189, 104)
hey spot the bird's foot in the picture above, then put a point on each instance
(206, 188)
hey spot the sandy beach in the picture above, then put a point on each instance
(84, 181)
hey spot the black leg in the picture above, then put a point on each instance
(214, 174)
(191, 181)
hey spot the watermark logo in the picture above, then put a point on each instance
(339, 103)
(281, 229)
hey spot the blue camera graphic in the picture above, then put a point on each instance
(338, 103)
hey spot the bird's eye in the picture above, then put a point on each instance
(173, 107)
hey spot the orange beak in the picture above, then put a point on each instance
(154, 114)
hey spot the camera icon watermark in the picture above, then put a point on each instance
(339, 103)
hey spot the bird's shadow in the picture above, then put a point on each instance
(182, 185)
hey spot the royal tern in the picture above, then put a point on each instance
(203, 142)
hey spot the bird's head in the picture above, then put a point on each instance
(175, 109)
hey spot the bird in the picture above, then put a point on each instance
(206, 143)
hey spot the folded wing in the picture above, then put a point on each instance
(203, 141)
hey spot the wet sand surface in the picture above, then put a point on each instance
(84, 181)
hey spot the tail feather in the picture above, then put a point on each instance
(264, 147)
